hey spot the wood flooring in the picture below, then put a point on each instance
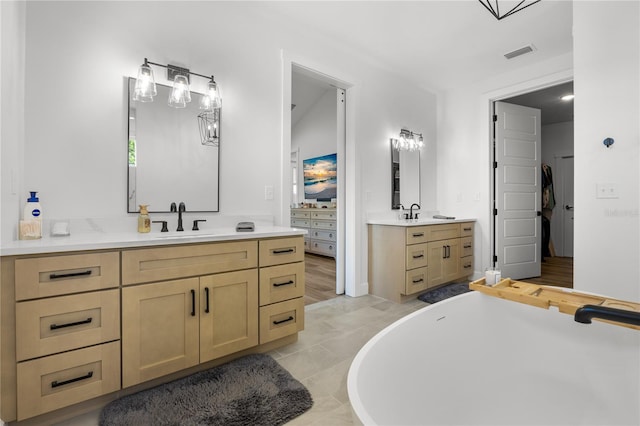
(556, 271)
(320, 278)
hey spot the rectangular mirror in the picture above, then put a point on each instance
(405, 177)
(167, 161)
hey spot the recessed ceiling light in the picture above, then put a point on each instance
(568, 97)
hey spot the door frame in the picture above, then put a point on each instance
(346, 242)
(498, 95)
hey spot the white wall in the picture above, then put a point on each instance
(75, 124)
(607, 104)
(315, 133)
(606, 74)
(557, 141)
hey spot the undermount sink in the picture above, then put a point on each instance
(187, 235)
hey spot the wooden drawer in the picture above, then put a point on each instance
(466, 229)
(58, 324)
(300, 214)
(415, 280)
(417, 234)
(158, 264)
(281, 319)
(321, 234)
(467, 246)
(56, 275)
(416, 256)
(282, 282)
(300, 223)
(281, 250)
(321, 247)
(466, 266)
(323, 224)
(444, 232)
(46, 384)
(324, 214)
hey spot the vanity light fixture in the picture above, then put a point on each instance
(567, 98)
(494, 8)
(408, 141)
(145, 88)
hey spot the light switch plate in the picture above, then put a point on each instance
(268, 192)
(606, 190)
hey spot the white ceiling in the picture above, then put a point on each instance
(438, 44)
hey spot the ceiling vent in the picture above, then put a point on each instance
(518, 52)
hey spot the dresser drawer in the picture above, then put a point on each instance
(416, 256)
(281, 319)
(324, 214)
(58, 324)
(46, 384)
(466, 229)
(320, 247)
(56, 275)
(300, 214)
(467, 246)
(321, 234)
(415, 280)
(323, 224)
(159, 264)
(417, 234)
(281, 250)
(300, 223)
(282, 282)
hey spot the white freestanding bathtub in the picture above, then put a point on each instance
(479, 360)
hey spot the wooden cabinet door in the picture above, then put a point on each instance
(443, 258)
(161, 332)
(228, 313)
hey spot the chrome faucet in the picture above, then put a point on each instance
(411, 211)
(180, 209)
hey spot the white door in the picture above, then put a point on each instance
(517, 192)
(566, 215)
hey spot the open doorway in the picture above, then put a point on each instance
(317, 138)
(554, 229)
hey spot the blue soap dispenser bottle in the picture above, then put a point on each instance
(32, 209)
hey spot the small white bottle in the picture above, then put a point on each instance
(32, 209)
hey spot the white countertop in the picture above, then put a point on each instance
(100, 241)
(417, 222)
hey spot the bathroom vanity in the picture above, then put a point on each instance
(407, 258)
(86, 322)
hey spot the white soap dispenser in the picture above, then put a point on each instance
(32, 209)
(30, 227)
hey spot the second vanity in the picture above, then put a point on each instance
(84, 323)
(407, 258)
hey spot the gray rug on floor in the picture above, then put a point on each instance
(253, 390)
(445, 292)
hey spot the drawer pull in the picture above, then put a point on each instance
(70, 324)
(69, 275)
(419, 280)
(56, 383)
(206, 300)
(283, 251)
(466, 229)
(284, 320)
(467, 266)
(281, 284)
(193, 303)
(467, 246)
(421, 234)
(418, 256)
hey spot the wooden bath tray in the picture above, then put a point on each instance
(566, 300)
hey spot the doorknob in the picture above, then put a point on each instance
(568, 207)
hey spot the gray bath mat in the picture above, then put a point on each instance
(445, 292)
(253, 390)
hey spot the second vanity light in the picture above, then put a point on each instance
(145, 88)
(408, 141)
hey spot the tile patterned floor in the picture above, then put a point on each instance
(335, 330)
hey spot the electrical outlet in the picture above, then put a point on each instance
(268, 192)
(606, 190)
